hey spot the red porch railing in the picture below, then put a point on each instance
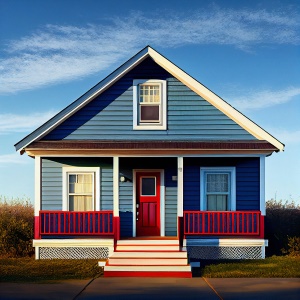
(76, 223)
(227, 223)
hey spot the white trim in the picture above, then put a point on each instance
(179, 186)
(66, 170)
(262, 185)
(162, 200)
(151, 155)
(37, 252)
(116, 185)
(162, 203)
(232, 171)
(225, 242)
(215, 100)
(102, 86)
(163, 118)
(99, 242)
(37, 185)
(193, 84)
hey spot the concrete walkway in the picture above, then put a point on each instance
(156, 289)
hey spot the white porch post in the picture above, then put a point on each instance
(180, 186)
(262, 185)
(37, 185)
(116, 185)
(37, 201)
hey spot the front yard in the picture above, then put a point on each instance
(30, 270)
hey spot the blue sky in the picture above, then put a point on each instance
(247, 52)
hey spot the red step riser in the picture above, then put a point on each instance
(147, 274)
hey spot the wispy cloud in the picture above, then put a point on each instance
(262, 99)
(286, 136)
(62, 53)
(22, 123)
(14, 158)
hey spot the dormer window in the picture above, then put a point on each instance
(149, 104)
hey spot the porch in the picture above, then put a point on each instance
(201, 224)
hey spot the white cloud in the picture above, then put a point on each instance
(264, 98)
(14, 158)
(289, 137)
(22, 123)
(62, 53)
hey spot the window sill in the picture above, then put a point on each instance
(149, 127)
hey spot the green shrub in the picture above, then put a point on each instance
(293, 248)
(16, 227)
(282, 221)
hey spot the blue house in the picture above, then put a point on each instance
(152, 171)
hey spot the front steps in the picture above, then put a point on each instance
(148, 258)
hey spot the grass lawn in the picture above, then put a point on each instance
(31, 270)
(271, 267)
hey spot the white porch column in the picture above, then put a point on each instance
(180, 186)
(37, 201)
(262, 185)
(116, 185)
(37, 185)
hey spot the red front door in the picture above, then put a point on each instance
(148, 203)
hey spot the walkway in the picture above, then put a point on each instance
(156, 289)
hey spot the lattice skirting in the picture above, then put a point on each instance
(213, 252)
(73, 252)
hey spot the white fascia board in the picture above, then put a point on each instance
(240, 242)
(91, 94)
(99, 242)
(215, 100)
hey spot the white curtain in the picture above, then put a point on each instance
(80, 192)
(217, 190)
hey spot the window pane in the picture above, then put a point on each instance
(80, 203)
(149, 93)
(81, 183)
(148, 186)
(217, 202)
(217, 183)
(149, 113)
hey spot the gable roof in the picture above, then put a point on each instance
(182, 76)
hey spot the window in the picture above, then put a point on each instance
(149, 104)
(217, 189)
(81, 189)
(148, 186)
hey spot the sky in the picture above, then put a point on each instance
(247, 52)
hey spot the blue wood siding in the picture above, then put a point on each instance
(110, 115)
(126, 205)
(170, 202)
(106, 189)
(51, 181)
(51, 185)
(247, 181)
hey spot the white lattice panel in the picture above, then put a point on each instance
(212, 252)
(73, 252)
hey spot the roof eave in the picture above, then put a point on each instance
(192, 83)
(83, 100)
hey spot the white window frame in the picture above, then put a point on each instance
(162, 125)
(231, 205)
(78, 170)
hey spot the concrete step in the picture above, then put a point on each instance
(175, 274)
(148, 242)
(147, 261)
(175, 254)
(185, 268)
(138, 248)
